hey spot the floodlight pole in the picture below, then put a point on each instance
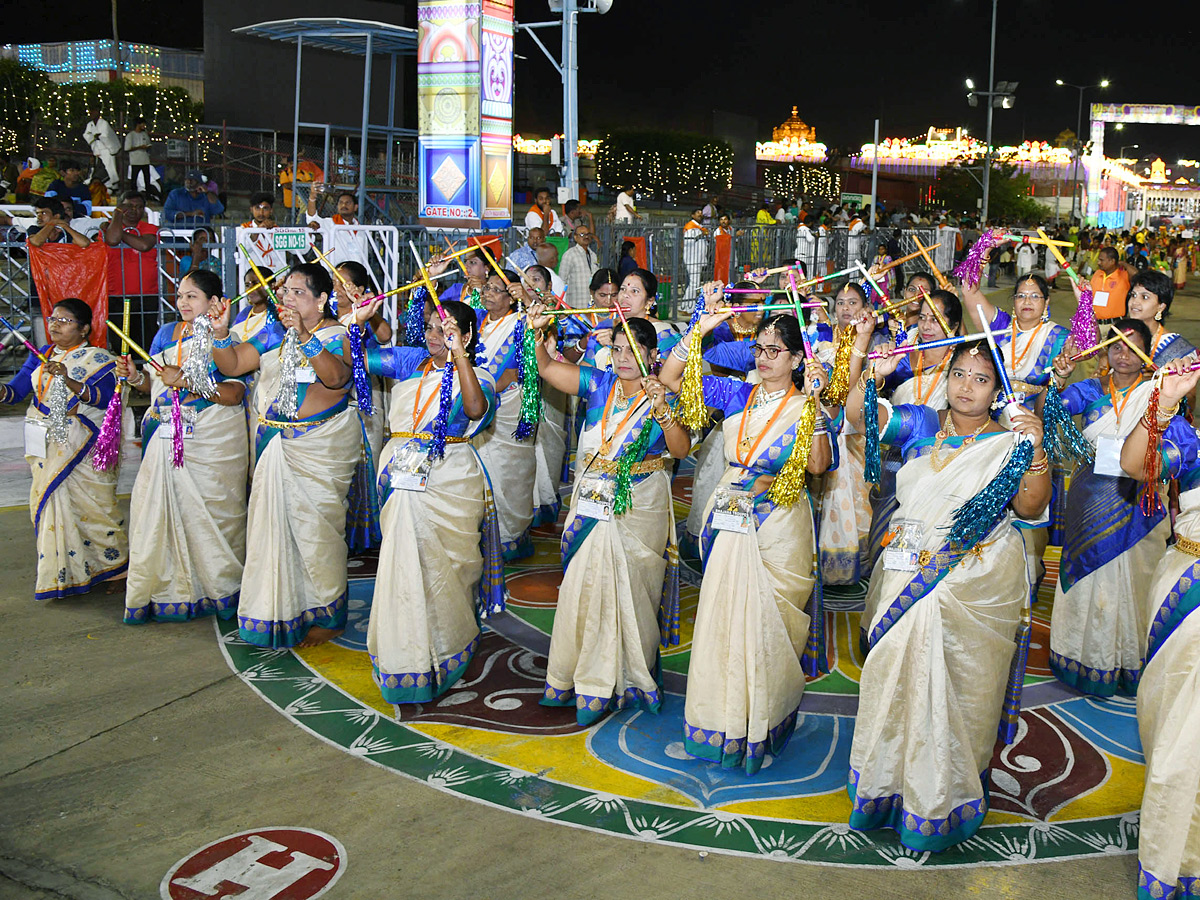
(987, 159)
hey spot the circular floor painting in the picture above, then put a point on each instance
(1070, 784)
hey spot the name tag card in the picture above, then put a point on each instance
(732, 510)
(35, 439)
(596, 496)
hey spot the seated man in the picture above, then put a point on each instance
(190, 205)
(53, 225)
(71, 188)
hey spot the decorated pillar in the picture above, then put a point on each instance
(464, 111)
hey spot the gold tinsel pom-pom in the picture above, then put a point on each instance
(788, 486)
(839, 383)
(689, 404)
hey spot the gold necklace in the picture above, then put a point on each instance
(949, 430)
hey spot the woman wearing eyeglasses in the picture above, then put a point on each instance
(619, 598)
(80, 532)
(308, 444)
(944, 609)
(754, 641)
(187, 538)
(1168, 702)
(511, 462)
(1097, 629)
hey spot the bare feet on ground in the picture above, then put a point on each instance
(317, 636)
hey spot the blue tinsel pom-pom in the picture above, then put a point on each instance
(414, 319)
(872, 467)
(362, 383)
(975, 519)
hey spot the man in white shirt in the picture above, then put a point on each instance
(137, 146)
(579, 264)
(624, 210)
(98, 135)
(695, 251)
(341, 241)
(542, 215)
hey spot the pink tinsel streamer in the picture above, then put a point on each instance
(1083, 324)
(970, 270)
(108, 442)
(176, 431)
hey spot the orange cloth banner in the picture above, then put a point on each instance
(64, 270)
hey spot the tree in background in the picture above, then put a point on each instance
(1009, 192)
(167, 110)
(664, 162)
(20, 85)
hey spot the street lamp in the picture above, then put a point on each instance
(1000, 95)
(1125, 147)
(568, 70)
(1078, 137)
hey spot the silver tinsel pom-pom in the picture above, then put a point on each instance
(197, 368)
(287, 401)
(59, 397)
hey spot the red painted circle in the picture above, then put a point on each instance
(262, 864)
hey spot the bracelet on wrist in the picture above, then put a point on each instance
(223, 343)
(312, 347)
(859, 353)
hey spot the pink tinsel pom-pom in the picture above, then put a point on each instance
(1083, 324)
(970, 270)
(108, 442)
(176, 431)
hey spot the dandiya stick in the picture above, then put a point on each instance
(808, 351)
(766, 307)
(244, 294)
(942, 280)
(495, 265)
(590, 310)
(133, 345)
(633, 345)
(1086, 353)
(259, 275)
(902, 260)
(867, 275)
(32, 349)
(998, 359)
(937, 313)
(1062, 261)
(931, 345)
(1121, 335)
(427, 281)
(457, 259)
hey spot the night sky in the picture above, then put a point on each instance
(669, 64)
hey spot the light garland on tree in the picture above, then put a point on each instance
(707, 166)
(810, 181)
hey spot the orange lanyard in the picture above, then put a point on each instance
(418, 416)
(1017, 360)
(485, 332)
(606, 441)
(744, 457)
(940, 369)
(1113, 391)
(44, 383)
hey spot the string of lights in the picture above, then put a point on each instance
(807, 181)
(664, 163)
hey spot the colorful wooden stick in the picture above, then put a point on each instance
(261, 280)
(998, 359)
(1026, 239)
(937, 312)
(871, 281)
(633, 344)
(32, 349)
(1121, 335)
(942, 280)
(133, 345)
(808, 351)
(1084, 354)
(126, 314)
(590, 310)
(1062, 261)
(457, 259)
(932, 345)
(427, 281)
(495, 265)
(767, 307)
(902, 260)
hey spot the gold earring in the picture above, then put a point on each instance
(1158, 316)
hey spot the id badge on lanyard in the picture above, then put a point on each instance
(732, 510)
(410, 467)
(36, 434)
(596, 496)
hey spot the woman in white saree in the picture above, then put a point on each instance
(510, 460)
(1168, 702)
(754, 642)
(1112, 544)
(187, 535)
(550, 445)
(80, 533)
(440, 564)
(943, 611)
(619, 598)
(307, 445)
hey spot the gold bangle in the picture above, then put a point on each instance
(859, 353)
